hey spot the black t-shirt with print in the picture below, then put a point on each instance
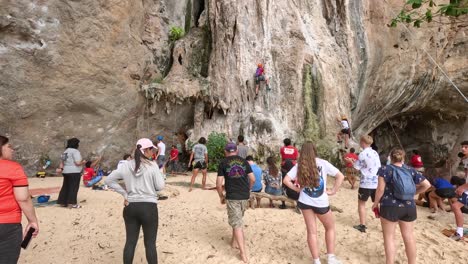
(235, 171)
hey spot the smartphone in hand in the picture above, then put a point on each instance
(28, 237)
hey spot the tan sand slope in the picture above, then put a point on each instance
(193, 229)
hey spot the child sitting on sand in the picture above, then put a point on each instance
(90, 177)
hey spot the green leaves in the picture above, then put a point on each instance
(416, 12)
(176, 33)
(429, 15)
(215, 145)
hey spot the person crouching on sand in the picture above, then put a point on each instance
(461, 201)
(311, 173)
(142, 179)
(397, 186)
(238, 178)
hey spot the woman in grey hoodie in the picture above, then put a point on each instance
(142, 179)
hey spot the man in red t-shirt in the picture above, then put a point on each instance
(350, 171)
(288, 152)
(416, 161)
(289, 156)
(174, 159)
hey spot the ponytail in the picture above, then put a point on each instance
(138, 155)
(397, 155)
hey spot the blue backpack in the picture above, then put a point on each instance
(403, 184)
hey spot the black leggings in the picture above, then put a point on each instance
(69, 192)
(138, 215)
(11, 236)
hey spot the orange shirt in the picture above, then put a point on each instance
(11, 175)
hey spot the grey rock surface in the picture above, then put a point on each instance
(107, 73)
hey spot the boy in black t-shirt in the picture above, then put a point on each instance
(239, 179)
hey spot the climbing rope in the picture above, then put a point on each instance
(393, 129)
(433, 60)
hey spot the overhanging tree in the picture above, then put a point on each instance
(416, 12)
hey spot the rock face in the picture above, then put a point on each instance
(106, 72)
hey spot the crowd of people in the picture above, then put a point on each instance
(301, 176)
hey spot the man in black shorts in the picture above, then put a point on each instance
(368, 164)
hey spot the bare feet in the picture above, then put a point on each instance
(244, 258)
(190, 189)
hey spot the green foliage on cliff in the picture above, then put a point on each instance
(176, 33)
(416, 12)
(311, 126)
(215, 145)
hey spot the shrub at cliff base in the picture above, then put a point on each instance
(215, 145)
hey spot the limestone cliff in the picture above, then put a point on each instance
(106, 72)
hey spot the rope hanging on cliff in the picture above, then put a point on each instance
(393, 129)
(433, 60)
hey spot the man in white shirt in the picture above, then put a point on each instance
(368, 164)
(161, 156)
(125, 158)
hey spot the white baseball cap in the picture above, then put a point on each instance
(145, 143)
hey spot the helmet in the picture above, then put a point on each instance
(160, 138)
(260, 65)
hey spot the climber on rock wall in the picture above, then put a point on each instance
(345, 131)
(259, 77)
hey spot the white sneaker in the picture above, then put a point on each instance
(333, 260)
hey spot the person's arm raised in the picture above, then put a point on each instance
(23, 198)
(96, 162)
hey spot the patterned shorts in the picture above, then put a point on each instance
(463, 199)
(235, 210)
(351, 172)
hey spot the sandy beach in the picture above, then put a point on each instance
(193, 228)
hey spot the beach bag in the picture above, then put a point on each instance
(403, 184)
